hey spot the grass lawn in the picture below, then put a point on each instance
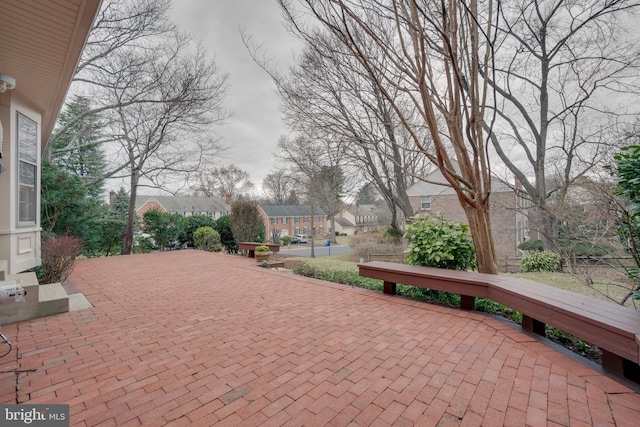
(605, 284)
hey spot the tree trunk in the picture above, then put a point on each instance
(480, 227)
(127, 238)
(332, 232)
(311, 233)
(549, 231)
(394, 218)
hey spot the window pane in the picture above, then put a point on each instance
(27, 139)
(426, 202)
(27, 206)
(27, 171)
(27, 174)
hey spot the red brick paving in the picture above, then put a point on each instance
(194, 338)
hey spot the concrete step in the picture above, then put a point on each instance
(78, 301)
(53, 300)
(41, 300)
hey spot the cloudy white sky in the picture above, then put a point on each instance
(252, 132)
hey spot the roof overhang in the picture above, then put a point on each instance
(40, 45)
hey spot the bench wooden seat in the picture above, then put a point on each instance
(612, 327)
(250, 247)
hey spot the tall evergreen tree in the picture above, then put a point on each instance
(66, 209)
(78, 148)
(119, 205)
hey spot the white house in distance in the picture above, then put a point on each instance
(40, 45)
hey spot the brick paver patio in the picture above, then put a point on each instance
(193, 338)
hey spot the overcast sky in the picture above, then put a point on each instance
(252, 132)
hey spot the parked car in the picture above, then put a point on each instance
(300, 238)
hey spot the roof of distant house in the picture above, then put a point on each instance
(289, 210)
(362, 210)
(343, 222)
(186, 204)
(438, 185)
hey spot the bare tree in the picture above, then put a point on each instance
(348, 104)
(157, 95)
(598, 239)
(431, 52)
(164, 138)
(120, 25)
(246, 222)
(327, 185)
(330, 95)
(279, 187)
(225, 181)
(564, 75)
(317, 167)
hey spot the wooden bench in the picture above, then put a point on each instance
(612, 327)
(250, 247)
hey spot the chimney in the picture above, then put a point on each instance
(228, 199)
(518, 183)
(112, 195)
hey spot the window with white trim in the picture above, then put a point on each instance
(425, 203)
(27, 170)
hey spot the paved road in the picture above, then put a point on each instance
(304, 249)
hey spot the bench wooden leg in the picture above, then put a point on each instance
(467, 302)
(251, 253)
(612, 363)
(390, 288)
(530, 324)
(619, 366)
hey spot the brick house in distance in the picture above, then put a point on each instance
(288, 220)
(213, 207)
(508, 221)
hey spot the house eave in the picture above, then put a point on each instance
(41, 45)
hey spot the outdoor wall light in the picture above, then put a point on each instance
(12, 292)
(6, 82)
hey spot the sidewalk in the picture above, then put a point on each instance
(193, 338)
